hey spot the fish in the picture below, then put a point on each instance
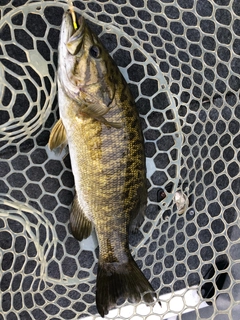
(100, 124)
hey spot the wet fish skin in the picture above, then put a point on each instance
(99, 121)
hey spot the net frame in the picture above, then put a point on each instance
(187, 90)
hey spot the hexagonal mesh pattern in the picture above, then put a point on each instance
(181, 60)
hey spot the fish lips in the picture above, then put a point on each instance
(66, 60)
(73, 38)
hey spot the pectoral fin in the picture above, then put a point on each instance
(81, 226)
(97, 111)
(58, 137)
(116, 125)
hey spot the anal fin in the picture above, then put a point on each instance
(58, 136)
(136, 221)
(81, 226)
(138, 213)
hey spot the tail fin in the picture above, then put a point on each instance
(116, 280)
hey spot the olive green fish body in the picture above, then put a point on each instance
(100, 123)
(109, 171)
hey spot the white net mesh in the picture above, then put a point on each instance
(181, 60)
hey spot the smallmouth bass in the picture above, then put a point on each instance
(100, 124)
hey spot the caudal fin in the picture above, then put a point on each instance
(116, 280)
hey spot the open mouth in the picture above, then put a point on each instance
(76, 34)
(77, 22)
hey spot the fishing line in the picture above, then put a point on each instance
(71, 9)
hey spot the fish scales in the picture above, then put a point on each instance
(111, 171)
(99, 121)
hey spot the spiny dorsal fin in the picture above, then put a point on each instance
(58, 137)
(81, 226)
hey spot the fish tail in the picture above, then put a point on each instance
(121, 280)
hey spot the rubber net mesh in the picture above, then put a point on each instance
(181, 60)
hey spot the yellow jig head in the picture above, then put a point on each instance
(75, 26)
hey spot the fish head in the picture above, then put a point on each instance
(85, 67)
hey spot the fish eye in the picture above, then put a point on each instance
(95, 52)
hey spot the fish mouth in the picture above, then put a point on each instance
(75, 36)
(70, 44)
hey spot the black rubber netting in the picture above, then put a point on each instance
(191, 129)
